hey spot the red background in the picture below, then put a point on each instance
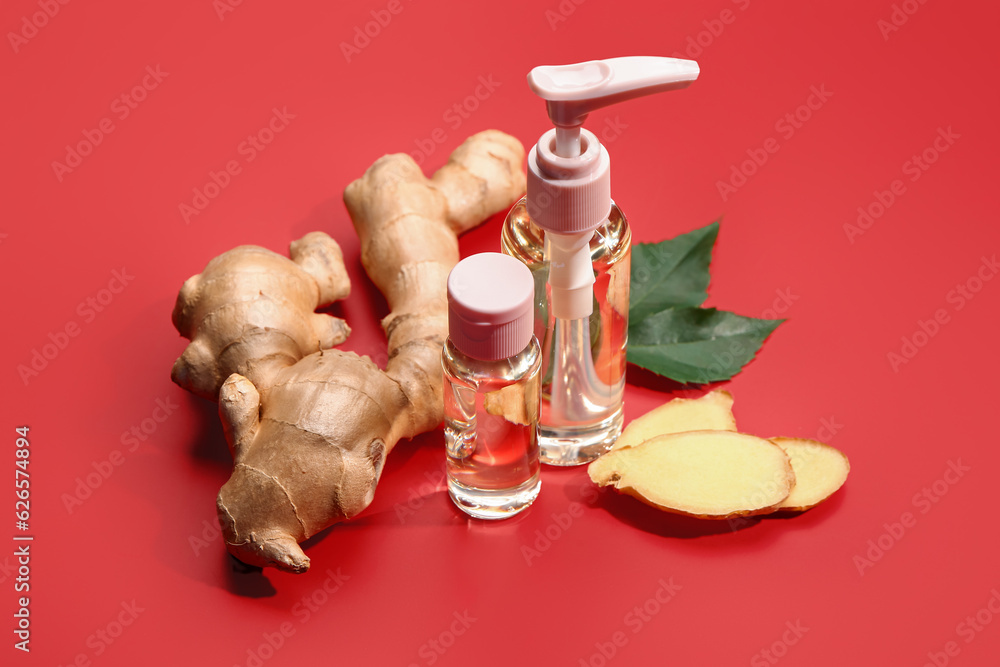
(852, 301)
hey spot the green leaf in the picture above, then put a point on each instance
(697, 345)
(668, 333)
(671, 273)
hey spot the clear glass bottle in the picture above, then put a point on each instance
(491, 364)
(581, 310)
(572, 437)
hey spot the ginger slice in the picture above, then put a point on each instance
(705, 474)
(511, 402)
(819, 471)
(711, 412)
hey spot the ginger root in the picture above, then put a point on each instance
(309, 427)
(251, 312)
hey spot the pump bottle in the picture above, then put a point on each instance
(576, 242)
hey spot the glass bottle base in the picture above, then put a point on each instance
(573, 446)
(494, 504)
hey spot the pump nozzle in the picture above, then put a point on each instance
(573, 91)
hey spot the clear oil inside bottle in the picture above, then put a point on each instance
(490, 412)
(576, 426)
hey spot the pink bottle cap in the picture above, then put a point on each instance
(569, 195)
(490, 306)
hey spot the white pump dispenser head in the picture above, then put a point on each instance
(573, 91)
(569, 171)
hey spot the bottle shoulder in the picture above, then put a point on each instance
(523, 239)
(495, 373)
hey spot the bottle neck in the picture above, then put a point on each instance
(568, 142)
(509, 369)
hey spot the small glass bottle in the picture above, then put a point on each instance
(491, 366)
(576, 439)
